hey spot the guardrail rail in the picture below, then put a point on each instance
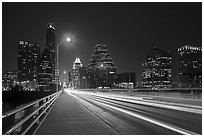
(26, 119)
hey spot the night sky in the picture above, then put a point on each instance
(130, 30)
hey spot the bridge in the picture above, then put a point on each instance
(77, 112)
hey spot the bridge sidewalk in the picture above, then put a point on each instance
(68, 117)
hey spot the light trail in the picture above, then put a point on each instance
(174, 106)
(125, 111)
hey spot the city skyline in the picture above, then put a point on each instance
(102, 68)
(120, 26)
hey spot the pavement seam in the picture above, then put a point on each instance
(106, 122)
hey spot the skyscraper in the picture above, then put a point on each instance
(190, 66)
(50, 44)
(28, 61)
(101, 59)
(47, 62)
(45, 75)
(75, 74)
(157, 69)
(100, 67)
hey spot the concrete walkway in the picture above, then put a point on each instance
(68, 117)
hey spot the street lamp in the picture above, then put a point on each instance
(68, 39)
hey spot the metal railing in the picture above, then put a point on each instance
(27, 118)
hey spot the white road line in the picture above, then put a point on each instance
(170, 127)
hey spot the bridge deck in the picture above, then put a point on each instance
(68, 117)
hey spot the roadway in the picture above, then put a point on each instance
(141, 115)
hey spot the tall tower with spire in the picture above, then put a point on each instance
(47, 62)
(50, 45)
(75, 74)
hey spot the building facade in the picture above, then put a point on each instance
(190, 66)
(47, 72)
(45, 75)
(9, 80)
(75, 74)
(157, 69)
(125, 80)
(83, 77)
(100, 68)
(28, 61)
(51, 47)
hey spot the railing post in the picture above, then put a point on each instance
(35, 107)
(18, 116)
(44, 101)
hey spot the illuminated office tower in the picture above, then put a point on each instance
(47, 63)
(190, 66)
(28, 61)
(157, 69)
(100, 68)
(50, 44)
(75, 75)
